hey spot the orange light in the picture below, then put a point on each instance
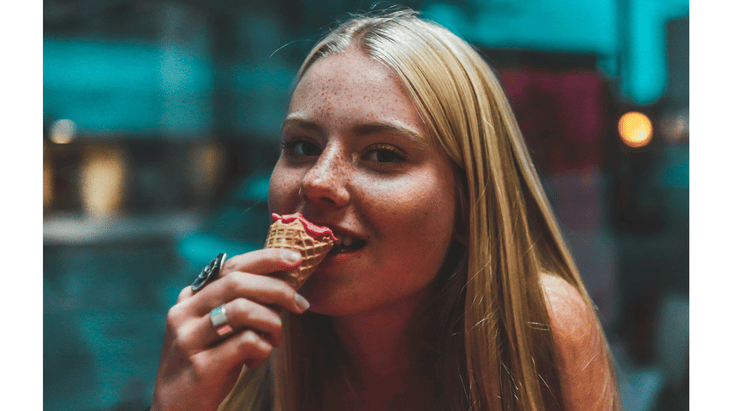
(47, 180)
(103, 179)
(635, 129)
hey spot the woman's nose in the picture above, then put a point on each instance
(326, 182)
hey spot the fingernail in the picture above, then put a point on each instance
(292, 257)
(301, 303)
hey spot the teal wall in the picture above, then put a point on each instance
(635, 28)
(108, 87)
(165, 88)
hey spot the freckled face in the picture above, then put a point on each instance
(358, 158)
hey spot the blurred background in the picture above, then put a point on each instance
(161, 122)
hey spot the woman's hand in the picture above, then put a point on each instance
(198, 368)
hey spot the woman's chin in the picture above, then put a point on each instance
(327, 300)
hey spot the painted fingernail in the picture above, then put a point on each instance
(301, 303)
(292, 257)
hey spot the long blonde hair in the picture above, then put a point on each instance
(494, 347)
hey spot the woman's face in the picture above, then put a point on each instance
(358, 158)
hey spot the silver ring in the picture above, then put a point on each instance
(220, 321)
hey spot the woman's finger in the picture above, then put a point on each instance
(246, 347)
(186, 293)
(258, 288)
(242, 315)
(265, 261)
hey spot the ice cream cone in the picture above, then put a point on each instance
(311, 241)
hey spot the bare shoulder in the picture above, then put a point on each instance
(575, 331)
(585, 367)
(571, 317)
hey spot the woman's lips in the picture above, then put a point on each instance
(340, 255)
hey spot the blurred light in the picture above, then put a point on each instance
(63, 131)
(102, 180)
(206, 161)
(635, 129)
(48, 194)
(674, 127)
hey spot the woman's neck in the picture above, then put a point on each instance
(389, 371)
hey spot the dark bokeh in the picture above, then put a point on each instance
(161, 127)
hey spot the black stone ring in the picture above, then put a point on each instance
(210, 273)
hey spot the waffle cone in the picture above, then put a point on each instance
(294, 236)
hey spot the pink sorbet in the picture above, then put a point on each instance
(315, 231)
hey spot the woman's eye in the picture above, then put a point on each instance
(382, 154)
(302, 148)
(308, 149)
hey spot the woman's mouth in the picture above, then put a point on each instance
(346, 244)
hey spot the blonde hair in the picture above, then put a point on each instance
(494, 343)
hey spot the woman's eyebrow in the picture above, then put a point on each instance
(390, 128)
(361, 129)
(300, 122)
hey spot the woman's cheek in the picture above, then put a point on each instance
(403, 202)
(283, 189)
(384, 198)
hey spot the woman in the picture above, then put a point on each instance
(457, 292)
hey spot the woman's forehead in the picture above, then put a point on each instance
(337, 70)
(353, 83)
